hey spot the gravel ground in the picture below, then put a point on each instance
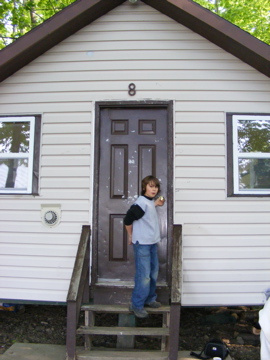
(47, 325)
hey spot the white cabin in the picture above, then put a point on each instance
(209, 77)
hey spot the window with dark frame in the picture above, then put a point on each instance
(19, 154)
(248, 154)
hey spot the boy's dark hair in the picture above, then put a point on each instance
(147, 180)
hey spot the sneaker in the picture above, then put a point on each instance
(140, 313)
(154, 305)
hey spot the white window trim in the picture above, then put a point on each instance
(29, 156)
(237, 155)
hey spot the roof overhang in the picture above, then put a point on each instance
(51, 32)
(217, 30)
(82, 12)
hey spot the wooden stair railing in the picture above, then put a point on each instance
(176, 292)
(169, 332)
(78, 290)
(90, 327)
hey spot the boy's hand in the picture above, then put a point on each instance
(129, 239)
(160, 201)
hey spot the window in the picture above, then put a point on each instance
(248, 154)
(19, 154)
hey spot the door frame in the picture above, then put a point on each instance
(99, 105)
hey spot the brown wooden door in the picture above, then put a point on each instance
(133, 144)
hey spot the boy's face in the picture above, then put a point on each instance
(151, 190)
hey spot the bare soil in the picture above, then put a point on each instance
(47, 325)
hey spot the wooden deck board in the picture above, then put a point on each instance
(103, 330)
(119, 355)
(110, 354)
(121, 309)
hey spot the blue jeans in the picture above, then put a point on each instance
(146, 263)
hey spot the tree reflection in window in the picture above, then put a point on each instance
(254, 142)
(15, 144)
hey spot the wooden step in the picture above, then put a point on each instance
(121, 355)
(122, 309)
(132, 355)
(102, 330)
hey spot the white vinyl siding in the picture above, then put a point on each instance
(226, 255)
(42, 257)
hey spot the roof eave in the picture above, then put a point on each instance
(82, 12)
(48, 34)
(217, 30)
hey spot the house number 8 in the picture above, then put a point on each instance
(131, 89)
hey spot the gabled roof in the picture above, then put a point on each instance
(186, 12)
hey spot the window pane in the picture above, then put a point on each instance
(14, 173)
(14, 137)
(254, 174)
(253, 136)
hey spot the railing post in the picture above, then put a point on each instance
(175, 293)
(71, 331)
(78, 291)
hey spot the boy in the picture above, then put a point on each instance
(141, 222)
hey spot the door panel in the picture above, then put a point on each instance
(133, 144)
